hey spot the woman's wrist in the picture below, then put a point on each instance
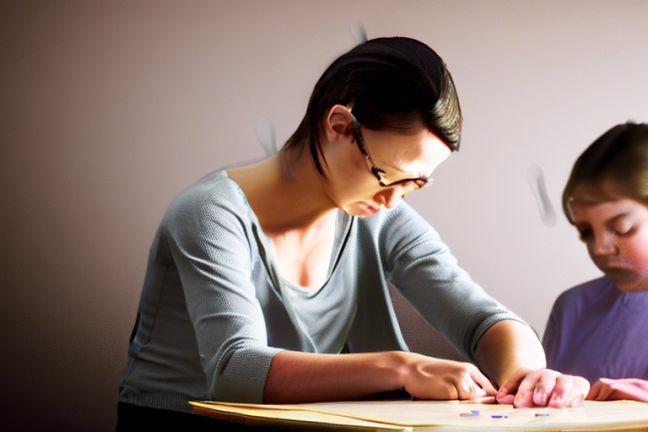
(397, 366)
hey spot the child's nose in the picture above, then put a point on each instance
(604, 245)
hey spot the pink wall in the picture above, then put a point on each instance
(108, 109)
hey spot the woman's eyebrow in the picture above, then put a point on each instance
(401, 171)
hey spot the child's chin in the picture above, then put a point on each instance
(631, 286)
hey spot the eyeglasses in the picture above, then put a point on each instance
(379, 173)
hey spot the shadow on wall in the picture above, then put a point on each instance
(419, 335)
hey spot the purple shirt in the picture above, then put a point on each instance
(595, 331)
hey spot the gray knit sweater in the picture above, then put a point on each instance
(214, 310)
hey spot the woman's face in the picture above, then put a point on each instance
(356, 190)
(615, 232)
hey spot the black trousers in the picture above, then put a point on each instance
(133, 418)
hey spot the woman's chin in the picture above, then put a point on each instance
(361, 209)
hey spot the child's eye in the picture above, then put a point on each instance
(624, 229)
(585, 234)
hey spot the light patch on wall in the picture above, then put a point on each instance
(265, 132)
(359, 32)
(536, 181)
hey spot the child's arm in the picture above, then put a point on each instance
(618, 389)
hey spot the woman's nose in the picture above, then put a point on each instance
(390, 197)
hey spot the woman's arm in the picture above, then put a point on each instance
(296, 377)
(506, 347)
(511, 354)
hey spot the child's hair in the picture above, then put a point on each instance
(391, 84)
(619, 156)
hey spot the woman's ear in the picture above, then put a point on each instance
(338, 122)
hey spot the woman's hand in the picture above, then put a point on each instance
(617, 389)
(543, 387)
(432, 378)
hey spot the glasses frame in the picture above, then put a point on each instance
(377, 172)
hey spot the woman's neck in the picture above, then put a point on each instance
(285, 198)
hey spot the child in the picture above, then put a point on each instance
(599, 329)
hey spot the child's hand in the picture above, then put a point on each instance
(617, 389)
(543, 387)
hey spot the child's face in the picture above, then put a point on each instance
(615, 232)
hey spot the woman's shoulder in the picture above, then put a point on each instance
(400, 229)
(214, 188)
(398, 223)
(209, 198)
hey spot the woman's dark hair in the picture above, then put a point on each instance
(391, 83)
(619, 156)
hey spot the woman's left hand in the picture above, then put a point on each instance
(543, 387)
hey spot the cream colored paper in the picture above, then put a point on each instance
(438, 416)
(286, 415)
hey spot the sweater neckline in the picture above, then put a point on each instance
(343, 225)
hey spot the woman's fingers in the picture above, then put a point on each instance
(536, 388)
(483, 382)
(507, 391)
(431, 378)
(579, 392)
(507, 399)
(543, 387)
(443, 379)
(524, 394)
(473, 384)
(465, 389)
(562, 392)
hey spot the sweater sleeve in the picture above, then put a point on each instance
(429, 277)
(211, 249)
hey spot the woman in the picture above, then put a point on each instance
(598, 329)
(261, 275)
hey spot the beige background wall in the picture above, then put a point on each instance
(108, 109)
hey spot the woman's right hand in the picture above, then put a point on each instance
(433, 378)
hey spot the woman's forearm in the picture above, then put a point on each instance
(506, 347)
(304, 377)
